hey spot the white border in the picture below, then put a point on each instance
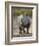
(33, 24)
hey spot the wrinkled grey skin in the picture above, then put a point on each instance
(25, 20)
